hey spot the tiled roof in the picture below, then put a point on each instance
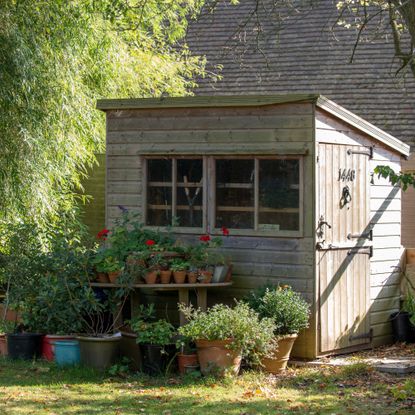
(305, 56)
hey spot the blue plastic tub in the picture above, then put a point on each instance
(67, 352)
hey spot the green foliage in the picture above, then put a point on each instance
(7, 326)
(151, 331)
(56, 59)
(288, 310)
(253, 336)
(404, 180)
(179, 264)
(409, 306)
(403, 391)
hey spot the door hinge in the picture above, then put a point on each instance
(367, 235)
(358, 250)
(368, 152)
(368, 335)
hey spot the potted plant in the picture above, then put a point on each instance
(160, 263)
(5, 328)
(187, 359)
(179, 268)
(112, 266)
(290, 314)
(224, 335)
(155, 338)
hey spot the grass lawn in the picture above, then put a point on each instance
(42, 388)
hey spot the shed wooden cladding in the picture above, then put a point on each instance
(350, 270)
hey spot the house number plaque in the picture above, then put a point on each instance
(346, 175)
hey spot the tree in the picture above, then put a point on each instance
(56, 58)
(393, 19)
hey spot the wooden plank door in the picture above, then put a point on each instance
(344, 246)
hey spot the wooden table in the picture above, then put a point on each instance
(201, 292)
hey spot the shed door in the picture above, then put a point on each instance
(344, 246)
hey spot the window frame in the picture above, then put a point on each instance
(209, 195)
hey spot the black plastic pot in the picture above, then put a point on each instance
(157, 359)
(26, 346)
(401, 326)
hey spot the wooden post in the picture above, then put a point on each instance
(202, 298)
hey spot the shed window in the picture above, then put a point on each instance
(252, 195)
(175, 192)
(260, 194)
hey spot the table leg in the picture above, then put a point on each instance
(201, 298)
(183, 298)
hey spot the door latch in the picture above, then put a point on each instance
(346, 197)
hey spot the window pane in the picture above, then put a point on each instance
(279, 194)
(190, 192)
(235, 193)
(159, 192)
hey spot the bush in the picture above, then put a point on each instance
(251, 335)
(287, 309)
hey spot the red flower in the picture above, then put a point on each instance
(150, 242)
(225, 231)
(102, 235)
(204, 238)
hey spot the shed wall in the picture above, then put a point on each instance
(385, 220)
(273, 129)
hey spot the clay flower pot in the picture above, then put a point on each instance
(186, 360)
(179, 277)
(278, 362)
(165, 276)
(216, 358)
(151, 277)
(205, 277)
(113, 276)
(192, 277)
(3, 345)
(102, 277)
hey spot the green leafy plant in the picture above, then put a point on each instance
(404, 180)
(179, 264)
(288, 310)
(7, 326)
(251, 335)
(149, 330)
(409, 306)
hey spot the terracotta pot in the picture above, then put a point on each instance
(48, 351)
(216, 359)
(102, 277)
(179, 277)
(278, 363)
(165, 276)
(3, 345)
(113, 276)
(186, 360)
(205, 277)
(192, 277)
(151, 277)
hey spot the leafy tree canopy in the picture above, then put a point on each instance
(56, 58)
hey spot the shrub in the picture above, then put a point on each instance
(288, 310)
(250, 334)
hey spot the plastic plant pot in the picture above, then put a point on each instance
(67, 352)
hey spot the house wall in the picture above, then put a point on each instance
(266, 130)
(385, 220)
(408, 207)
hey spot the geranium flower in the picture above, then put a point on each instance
(204, 238)
(225, 231)
(150, 242)
(102, 235)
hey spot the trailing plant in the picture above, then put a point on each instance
(250, 335)
(287, 309)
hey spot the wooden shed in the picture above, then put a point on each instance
(292, 178)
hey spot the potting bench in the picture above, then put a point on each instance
(201, 292)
